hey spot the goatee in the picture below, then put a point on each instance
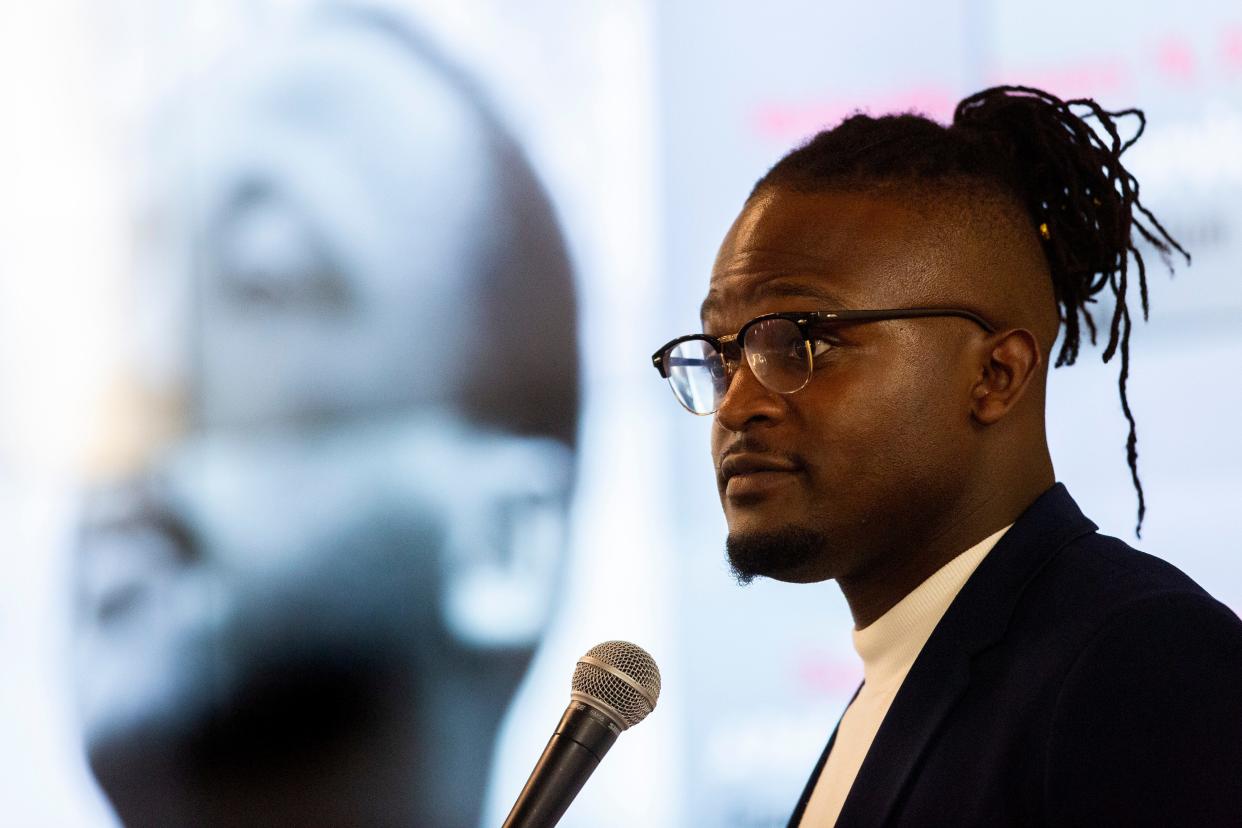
(772, 554)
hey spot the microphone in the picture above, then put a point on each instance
(615, 685)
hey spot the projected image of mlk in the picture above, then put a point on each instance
(312, 604)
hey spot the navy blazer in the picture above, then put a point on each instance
(1072, 681)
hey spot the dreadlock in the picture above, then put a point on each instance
(1036, 148)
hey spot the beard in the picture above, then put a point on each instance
(776, 554)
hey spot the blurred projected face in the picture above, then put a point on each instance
(241, 556)
(330, 543)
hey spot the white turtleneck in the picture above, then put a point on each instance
(888, 647)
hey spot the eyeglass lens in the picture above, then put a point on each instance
(775, 350)
(696, 371)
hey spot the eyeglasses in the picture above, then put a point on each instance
(780, 349)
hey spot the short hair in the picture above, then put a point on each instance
(1036, 149)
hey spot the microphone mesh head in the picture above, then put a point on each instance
(633, 693)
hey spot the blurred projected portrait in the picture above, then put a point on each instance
(310, 601)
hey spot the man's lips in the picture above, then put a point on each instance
(745, 475)
(744, 464)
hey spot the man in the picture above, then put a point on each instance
(877, 335)
(311, 604)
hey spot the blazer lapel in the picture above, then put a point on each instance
(976, 619)
(933, 684)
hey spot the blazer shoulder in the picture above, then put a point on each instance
(1147, 726)
(1111, 574)
(1096, 586)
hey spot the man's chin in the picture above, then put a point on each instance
(794, 554)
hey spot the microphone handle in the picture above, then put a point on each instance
(580, 741)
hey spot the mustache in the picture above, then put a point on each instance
(752, 444)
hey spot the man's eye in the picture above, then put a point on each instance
(819, 347)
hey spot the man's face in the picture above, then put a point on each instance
(864, 459)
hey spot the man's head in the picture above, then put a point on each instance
(313, 604)
(910, 429)
(898, 413)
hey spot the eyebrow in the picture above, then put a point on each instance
(778, 288)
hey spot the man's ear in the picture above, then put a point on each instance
(1010, 361)
(506, 550)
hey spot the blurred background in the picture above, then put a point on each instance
(329, 437)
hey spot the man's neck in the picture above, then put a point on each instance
(899, 571)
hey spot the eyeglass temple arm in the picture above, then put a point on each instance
(904, 313)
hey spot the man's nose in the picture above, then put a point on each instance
(747, 402)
